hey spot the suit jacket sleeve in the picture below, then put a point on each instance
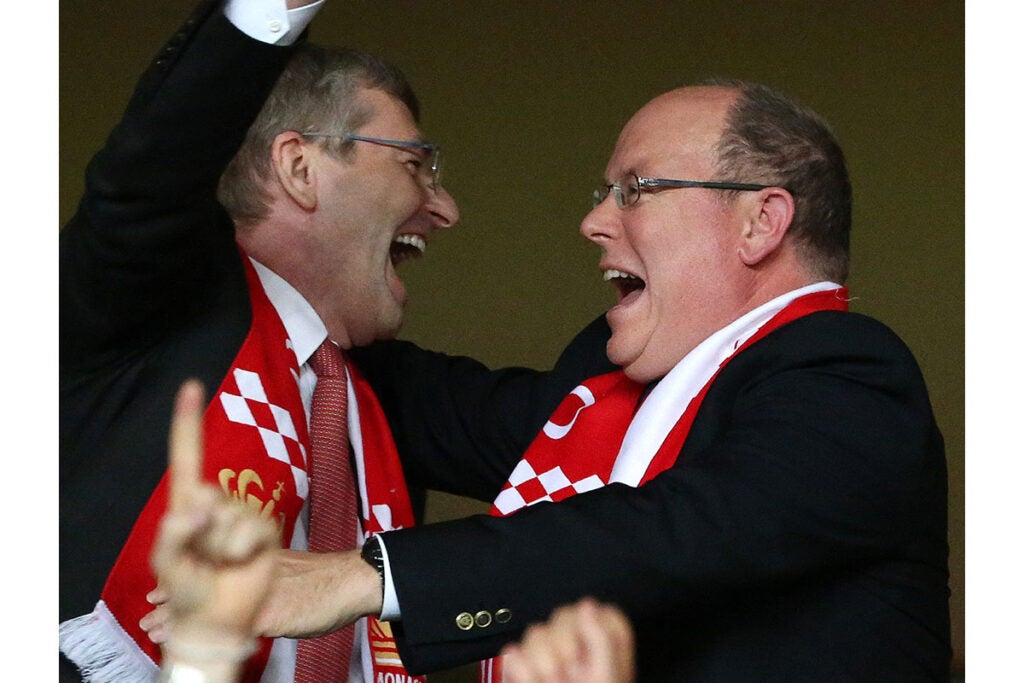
(461, 427)
(149, 235)
(815, 449)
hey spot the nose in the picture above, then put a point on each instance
(602, 223)
(444, 212)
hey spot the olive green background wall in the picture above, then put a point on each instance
(528, 97)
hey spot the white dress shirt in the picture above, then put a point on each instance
(305, 332)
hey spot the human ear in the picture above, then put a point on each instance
(291, 160)
(769, 220)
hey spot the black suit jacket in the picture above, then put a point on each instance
(152, 289)
(800, 536)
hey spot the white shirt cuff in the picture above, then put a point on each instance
(270, 21)
(390, 610)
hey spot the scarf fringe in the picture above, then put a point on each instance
(103, 651)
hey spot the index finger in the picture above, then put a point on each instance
(185, 447)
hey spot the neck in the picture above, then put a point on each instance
(278, 245)
(772, 278)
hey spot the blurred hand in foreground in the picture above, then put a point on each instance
(213, 557)
(586, 641)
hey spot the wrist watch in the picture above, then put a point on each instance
(374, 556)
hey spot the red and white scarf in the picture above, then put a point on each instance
(256, 446)
(597, 435)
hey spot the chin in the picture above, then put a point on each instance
(389, 331)
(381, 331)
(389, 320)
(617, 354)
(632, 348)
(634, 365)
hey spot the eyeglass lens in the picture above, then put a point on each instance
(433, 167)
(627, 191)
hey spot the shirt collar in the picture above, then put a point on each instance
(304, 327)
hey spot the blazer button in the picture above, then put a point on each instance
(483, 618)
(464, 621)
(503, 616)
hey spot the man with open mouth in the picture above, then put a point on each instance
(329, 186)
(756, 477)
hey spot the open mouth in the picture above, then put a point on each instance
(627, 285)
(406, 247)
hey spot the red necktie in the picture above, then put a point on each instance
(332, 512)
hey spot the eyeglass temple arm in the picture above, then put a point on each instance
(710, 184)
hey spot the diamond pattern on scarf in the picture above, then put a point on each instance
(332, 513)
(525, 487)
(250, 406)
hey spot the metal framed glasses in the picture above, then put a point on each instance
(627, 191)
(429, 168)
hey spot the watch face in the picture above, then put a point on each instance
(373, 555)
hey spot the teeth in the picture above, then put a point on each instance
(611, 274)
(412, 241)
